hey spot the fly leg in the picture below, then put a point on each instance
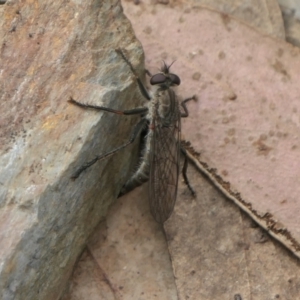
(134, 111)
(184, 171)
(183, 104)
(136, 131)
(139, 81)
(185, 165)
(147, 72)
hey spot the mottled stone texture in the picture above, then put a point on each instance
(51, 50)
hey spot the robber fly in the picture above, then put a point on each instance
(161, 154)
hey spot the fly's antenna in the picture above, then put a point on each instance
(165, 68)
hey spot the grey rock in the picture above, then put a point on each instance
(291, 16)
(49, 52)
(264, 15)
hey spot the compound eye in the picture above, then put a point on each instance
(175, 79)
(158, 79)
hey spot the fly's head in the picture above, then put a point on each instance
(165, 79)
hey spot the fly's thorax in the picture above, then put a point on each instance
(167, 104)
(163, 105)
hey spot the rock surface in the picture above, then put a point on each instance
(264, 15)
(49, 52)
(127, 257)
(291, 16)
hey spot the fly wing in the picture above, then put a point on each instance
(164, 162)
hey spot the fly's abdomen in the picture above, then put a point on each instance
(141, 175)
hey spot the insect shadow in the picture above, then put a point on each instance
(160, 159)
